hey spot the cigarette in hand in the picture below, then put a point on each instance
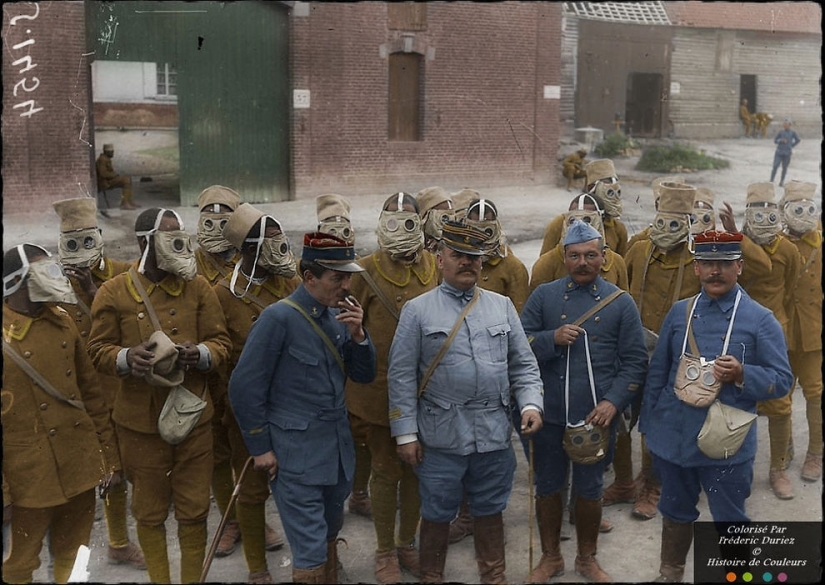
(349, 300)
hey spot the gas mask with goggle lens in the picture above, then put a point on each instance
(434, 221)
(761, 223)
(338, 226)
(399, 232)
(276, 257)
(173, 249)
(210, 232)
(594, 218)
(47, 283)
(702, 219)
(669, 230)
(81, 248)
(492, 227)
(610, 192)
(800, 216)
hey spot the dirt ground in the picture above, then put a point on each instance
(630, 553)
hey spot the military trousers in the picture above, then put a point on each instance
(255, 486)
(312, 515)
(726, 486)
(69, 525)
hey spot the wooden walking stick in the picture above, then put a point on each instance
(530, 509)
(207, 563)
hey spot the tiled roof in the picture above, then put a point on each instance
(629, 12)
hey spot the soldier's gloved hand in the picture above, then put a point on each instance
(139, 358)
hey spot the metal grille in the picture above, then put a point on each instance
(631, 12)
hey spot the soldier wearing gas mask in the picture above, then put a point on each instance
(550, 266)
(264, 274)
(401, 269)
(333, 213)
(162, 287)
(655, 186)
(770, 289)
(58, 442)
(215, 255)
(802, 226)
(435, 206)
(80, 250)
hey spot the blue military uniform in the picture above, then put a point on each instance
(287, 393)
(619, 361)
(671, 426)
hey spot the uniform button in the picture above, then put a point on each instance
(398, 299)
(52, 432)
(174, 330)
(72, 396)
(566, 297)
(77, 424)
(173, 312)
(564, 316)
(64, 344)
(68, 373)
(27, 354)
(141, 315)
(597, 319)
(254, 318)
(84, 334)
(44, 406)
(79, 314)
(595, 338)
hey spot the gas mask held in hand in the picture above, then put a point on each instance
(669, 230)
(399, 233)
(173, 253)
(762, 224)
(81, 248)
(210, 232)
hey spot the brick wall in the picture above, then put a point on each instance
(485, 119)
(46, 153)
(135, 115)
(800, 17)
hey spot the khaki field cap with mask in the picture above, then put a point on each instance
(76, 214)
(599, 169)
(333, 214)
(760, 193)
(461, 200)
(218, 195)
(163, 369)
(676, 198)
(238, 225)
(798, 190)
(80, 243)
(428, 198)
(656, 184)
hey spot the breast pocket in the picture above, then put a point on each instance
(434, 339)
(498, 342)
(305, 363)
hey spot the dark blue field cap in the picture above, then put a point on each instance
(464, 238)
(580, 232)
(330, 252)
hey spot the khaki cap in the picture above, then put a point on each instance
(705, 196)
(220, 195)
(240, 223)
(76, 214)
(676, 198)
(763, 192)
(108, 147)
(599, 169)
(331, 205)
(796, 190)
(462, 199)
(656, 183)
(430, 197)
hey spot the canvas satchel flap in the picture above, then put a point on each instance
(179, 415)
(724, 430)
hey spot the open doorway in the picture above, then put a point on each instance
(747, 90)
(136, 111)
(643, 105)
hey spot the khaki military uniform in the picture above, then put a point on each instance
(550, 267)
(214, 268)
(370, 402)
(638, 236)
(747, 120)
(54, 454)
(615, 234)
(107, 178)
(507, 276)
(805, 332)
(160, 472)
(761, 121)
(573, 168)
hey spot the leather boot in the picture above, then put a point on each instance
(331, 566)
(359, 503)
(312, 575)
(588, 519)
(812, 468)
(408, 559)
(229, 539)
(488, 533)
(192, 538)
(549, 516)
(152, 540)
(432, 550)
(648, 499)
(462, 525)
(676, 541)
(779, 435)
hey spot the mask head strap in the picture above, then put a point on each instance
(11, 287)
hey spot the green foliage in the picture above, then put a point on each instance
(677, 158)
(614, 145)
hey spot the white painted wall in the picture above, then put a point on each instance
(126, 81)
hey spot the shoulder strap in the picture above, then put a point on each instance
(694, 347)
(215, 264)
(324, 337)
(425, 380)
(251, 297)
(380, 294)
(677, 290)
(606, 301)
(153, 317)
(36, 377)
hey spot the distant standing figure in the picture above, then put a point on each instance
(107, 178)
(785, 142)
(761, 121)
(573, 166)
(745, 116)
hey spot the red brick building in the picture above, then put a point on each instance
(47, 153)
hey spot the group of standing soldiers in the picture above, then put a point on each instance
(330, 381)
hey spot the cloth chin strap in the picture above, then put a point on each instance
(259, 242)
(152, 231)
(8, 286)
